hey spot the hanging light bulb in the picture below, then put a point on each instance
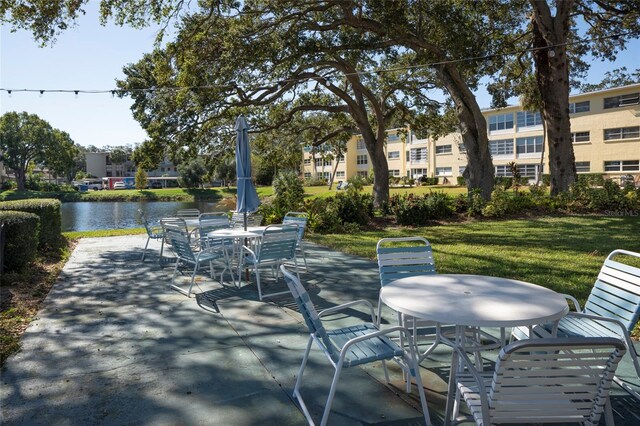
(41, 93)
(76, 92)
(9, 92)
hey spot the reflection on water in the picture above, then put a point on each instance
(88, 216)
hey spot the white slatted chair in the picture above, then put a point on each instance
(350, 346)
(153, 233)
(237, 220)
(183, 247)
(300, 219)
(538, 381)
(612, 309)
(211, 221)
(276, 247)
(188, 213)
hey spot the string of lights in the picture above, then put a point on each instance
(121, 92)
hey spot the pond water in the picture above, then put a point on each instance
(89, 216)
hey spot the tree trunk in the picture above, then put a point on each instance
(552, 76)
(473, 128)
(21, 179)
(375, 148)
(335, 169)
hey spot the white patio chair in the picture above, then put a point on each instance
(349, 346)
(300, 219)
(212, 221)
(153, 233)
(188, 213)
(183, 247)
(612, 310)
(237, 219)
(538, 381)
(276, 247)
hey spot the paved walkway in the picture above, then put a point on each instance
(113, 345)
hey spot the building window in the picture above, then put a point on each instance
(503, 171)
(318, 162)
(500, 122)
(418, 155)
(461, 148)
(363, 173)
(461, 170)
(529, 145)
(622, 166)
(360, 144)
(341, 159)
(416, 173)
(580, 137)
(622, 100)
(393, 138)
(527, 170)
(583, 166)
(501, 147)
(393, 155)
(528, 119)
(443, 149)
(307, 161)
(394, 172)
(444, 171)
(306, 149)
(576, 107)
(326, 175)
(362, 159)
(307, 175)
(327, 162)
(622, 133)
(340, 175)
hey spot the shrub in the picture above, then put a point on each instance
(48, 210)
(590, 179)
(461, 181)
(21, 239)
(420, 210)
(141, 179)
(503, 203)
(7, 184)
(289, 192)
(315, 182)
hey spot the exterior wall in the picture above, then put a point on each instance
(517, 136)
(99, 164)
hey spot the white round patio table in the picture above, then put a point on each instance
(474, 300)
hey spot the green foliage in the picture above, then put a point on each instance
(356, 183)
(504, 203)
(315, 182)
(590, 179)
(48, 212)
(429, 180)
(609, 198)
(421, 210)
(21, 239)
(346, 212)
(461, 181)
(192, 173)
(141, 178)
(289, 192)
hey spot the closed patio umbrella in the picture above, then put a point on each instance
(248, 200)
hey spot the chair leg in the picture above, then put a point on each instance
(193, 277)
(145, 249)
(296, 387)
(175, 271)
(256, 270)
(414, 369)
(161, 249)
(332, 392)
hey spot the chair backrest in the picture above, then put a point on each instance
(300, 219)
(616, 293)
(404, 257)
(180, 243)
(278, 242)
(145, 222)
(542, 380)
(308, 311)
(212, 221)
(175, 224)
(188, 213)
(237, 219)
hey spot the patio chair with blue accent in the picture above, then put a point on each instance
(199, 253)
(300, 219)
(188, 213)
(212, 221)
(409, 257)
(538, 381)
(350, 346)
(276, 247)
(612, 309)
(237, 219)
(153, 233)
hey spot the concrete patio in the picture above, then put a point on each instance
(113, 345)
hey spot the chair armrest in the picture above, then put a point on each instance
(251, 252)
(334, 309)
(573, 300)
(368, 336)
(599, 318)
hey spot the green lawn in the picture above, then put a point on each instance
(561, 253)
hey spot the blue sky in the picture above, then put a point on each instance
(91, 57)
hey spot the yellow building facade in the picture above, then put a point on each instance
(605, 129)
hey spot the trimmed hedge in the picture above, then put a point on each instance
(48, 210)
(21, 239)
